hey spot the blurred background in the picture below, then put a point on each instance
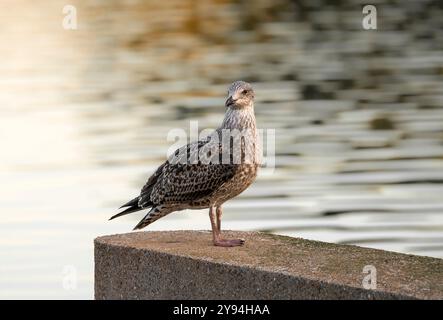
(84, 116)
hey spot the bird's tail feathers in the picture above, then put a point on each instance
(154, 214)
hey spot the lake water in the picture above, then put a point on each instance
(84, 116)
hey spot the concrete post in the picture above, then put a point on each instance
(185, 265)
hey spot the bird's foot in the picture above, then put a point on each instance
(229, 242)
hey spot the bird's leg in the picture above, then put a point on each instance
(214, 216)
(219, 212)
(234, 242)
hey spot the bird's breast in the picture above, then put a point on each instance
(243, 177)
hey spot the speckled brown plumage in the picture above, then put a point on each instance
(208, 172)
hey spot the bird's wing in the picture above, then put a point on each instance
(185, 181)
(144, 200)
(191, 174)
(190, 182)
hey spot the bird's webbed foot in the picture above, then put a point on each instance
(229, 242)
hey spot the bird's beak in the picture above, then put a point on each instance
(230, 101)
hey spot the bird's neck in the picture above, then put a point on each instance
(240, 122)
(239, 118)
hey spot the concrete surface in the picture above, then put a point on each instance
(185, 265)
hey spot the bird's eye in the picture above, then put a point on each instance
(244, 91)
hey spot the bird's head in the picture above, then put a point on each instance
(240, 95)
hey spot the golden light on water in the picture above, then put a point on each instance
(84, 116)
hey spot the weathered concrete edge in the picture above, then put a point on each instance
(107, 244)
(345, 291)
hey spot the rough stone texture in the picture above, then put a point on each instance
(185, 265)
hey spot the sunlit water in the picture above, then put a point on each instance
(84, 117)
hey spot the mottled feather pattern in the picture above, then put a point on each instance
(197, 176)
(185, 184)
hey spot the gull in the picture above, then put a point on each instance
(208, 172)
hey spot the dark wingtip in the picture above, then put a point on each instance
(130, 203)
(126, 211)
(114, 216)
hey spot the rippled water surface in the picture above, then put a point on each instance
(84, 116)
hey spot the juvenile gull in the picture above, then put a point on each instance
(208, 172)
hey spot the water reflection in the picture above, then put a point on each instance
(85, 114)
